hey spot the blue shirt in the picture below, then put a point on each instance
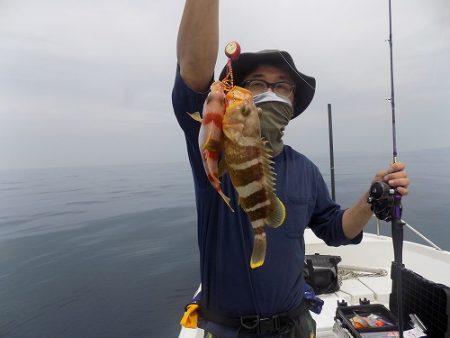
(229, 286)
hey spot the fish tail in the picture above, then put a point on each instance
(259, 247)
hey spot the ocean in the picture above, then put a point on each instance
(112, 251)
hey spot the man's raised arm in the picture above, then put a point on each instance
(197, 42)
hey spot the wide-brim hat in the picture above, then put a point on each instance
(305, 85)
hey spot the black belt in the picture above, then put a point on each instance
(255, 324)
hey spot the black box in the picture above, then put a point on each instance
(321, 273)
(428, 300)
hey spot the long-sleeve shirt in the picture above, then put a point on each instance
(225, 239)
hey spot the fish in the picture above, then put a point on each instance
(247, 159)
(211, 137)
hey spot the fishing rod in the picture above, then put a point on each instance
(386, 202)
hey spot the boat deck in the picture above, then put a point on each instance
(374, 252)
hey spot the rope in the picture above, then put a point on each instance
(354, 272)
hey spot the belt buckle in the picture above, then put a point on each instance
(269, 325)
(275, 322)
(261, 325)
(250, 322)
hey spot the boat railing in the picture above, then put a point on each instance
(417, 232)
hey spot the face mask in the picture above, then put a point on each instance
(276, 114)
(270, 96)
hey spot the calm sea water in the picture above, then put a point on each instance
(112, 251)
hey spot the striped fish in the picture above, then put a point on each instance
(210, 138)
(248, 163)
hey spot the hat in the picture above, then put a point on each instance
(305, 86)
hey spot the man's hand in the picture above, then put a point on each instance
(356, 217)
(395, 176)
(198, 43)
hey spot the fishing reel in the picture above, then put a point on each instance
(385, 201)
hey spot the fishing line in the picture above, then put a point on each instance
(295, 71)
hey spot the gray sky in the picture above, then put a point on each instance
(89, 82)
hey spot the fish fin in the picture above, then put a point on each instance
(222, 167)
(213, 145)
(226, 199)
(259, 250)
(196, 116)
(269, 174)
(278, 215)
(267, 148)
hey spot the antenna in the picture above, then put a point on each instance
(330, 138)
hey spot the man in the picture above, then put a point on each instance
(234, 296)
